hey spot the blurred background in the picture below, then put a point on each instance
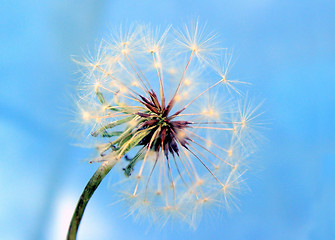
(286, 49)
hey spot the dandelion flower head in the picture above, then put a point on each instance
(162, 103)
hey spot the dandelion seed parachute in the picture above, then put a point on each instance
(171, 118)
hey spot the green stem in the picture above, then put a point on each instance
(91, 186)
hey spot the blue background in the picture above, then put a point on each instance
(286, 49)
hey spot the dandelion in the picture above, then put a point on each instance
(166, 114)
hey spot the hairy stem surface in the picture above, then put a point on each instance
(91, 186)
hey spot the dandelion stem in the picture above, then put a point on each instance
(90, 188)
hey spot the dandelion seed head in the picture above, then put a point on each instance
(153, 97)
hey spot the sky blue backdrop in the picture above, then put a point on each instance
(285, 48)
